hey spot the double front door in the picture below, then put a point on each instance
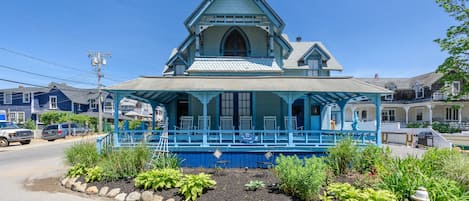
(236, 104)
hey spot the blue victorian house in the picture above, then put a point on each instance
(239, 85)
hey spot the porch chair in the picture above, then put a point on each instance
(200, 124)
(270, 129)
(186, 125)
(297, 130)
(226, 124)
(245, 125)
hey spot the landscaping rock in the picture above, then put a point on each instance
(82, 188)
(147, 196)
(134, 196)
(113, 192)
(93, 190)
(158, 198)
(70, 182)
(64, 181)
(121, 197)
(170, 199)
(104, 190)
(75, 186)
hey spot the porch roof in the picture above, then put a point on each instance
(248, 83)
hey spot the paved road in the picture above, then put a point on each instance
(31, 172)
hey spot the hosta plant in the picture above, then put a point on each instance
(94, 174)
(77, 170)
(158, 179)
(345, 191)
(254, 185)
(193, 186)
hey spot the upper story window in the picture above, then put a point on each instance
(108, 106)
(314, 67)
(7, 98)
(389, 97)
(93, 104)
(455, 87)
(26, 97)
(235, 44)
(180, 69)
(419, 91)
(53, 102)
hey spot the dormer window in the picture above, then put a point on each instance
(324, 63)
(314, 67)
(389, 97)
(455, 88)
(419, 92)
(93, 104)
(26, 97)
(235, 44)
(179, 70)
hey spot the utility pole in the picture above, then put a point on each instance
(98, 59)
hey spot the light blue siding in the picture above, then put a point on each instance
(234, 7)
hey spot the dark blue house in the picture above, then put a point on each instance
(23, 103)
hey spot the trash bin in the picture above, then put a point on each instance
(423, 138)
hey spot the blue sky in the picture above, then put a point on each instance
(393, 38)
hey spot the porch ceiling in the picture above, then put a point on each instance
(322, 90)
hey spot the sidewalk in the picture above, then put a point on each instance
(39, 142)
(402, 151)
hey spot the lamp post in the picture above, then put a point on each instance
(98, 59)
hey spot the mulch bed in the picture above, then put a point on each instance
(230, 186)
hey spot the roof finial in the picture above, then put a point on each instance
(299, 38)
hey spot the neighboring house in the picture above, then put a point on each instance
(238, 81)
(419, 99)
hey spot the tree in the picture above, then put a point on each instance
(456, 43)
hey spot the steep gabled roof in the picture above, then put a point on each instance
(77, 95)
(301, 49)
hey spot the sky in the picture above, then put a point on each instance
(392, 38)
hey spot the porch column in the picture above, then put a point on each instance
(205, 98)
(406, 108)
(430, 114)
(289, 98)
(153, 116)
(254, 109)
(117, 99)
(342, 105)
(376, 99)
(307, 112)
(460, 114)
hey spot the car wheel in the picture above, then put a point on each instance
(4, 142)
(51, 140)
(25, 142)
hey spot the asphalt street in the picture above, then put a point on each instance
(31, 173)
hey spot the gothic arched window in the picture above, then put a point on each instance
(235, 44)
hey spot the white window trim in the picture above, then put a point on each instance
(7, 101)
(387, 113)
(16, 119)
(418, 89)
(454, 114)
(26, 95)
(455, 91)
(50, 102)
(109, 110)
(389, 97)
(417, 111)
(93, 105)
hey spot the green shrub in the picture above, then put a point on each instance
(371, 158)
(94, 174)
(51, 117)
(457, 168)
(77, 170)
(304, 181)
(345, 191)
(434, 160)
(167, 161)
(254, 185)
(82, 153)
(125, 163)
(192, 186)
(158, 179)
(135, 125)
(444, 128)
(342, 156)
(30, 124)
(413, 125)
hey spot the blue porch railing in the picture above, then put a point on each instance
(228, 138)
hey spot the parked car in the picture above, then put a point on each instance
(10, 132)
(57, 131)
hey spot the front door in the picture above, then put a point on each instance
(182, 109)
(236, 104)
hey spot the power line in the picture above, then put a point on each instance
(42, 75)
(53, 63)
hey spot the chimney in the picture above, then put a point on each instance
(20, 86)
(376, 76)
(298, 39)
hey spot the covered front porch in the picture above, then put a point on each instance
(249, 114)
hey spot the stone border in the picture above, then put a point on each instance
(116, 194)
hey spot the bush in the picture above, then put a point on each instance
(158, 179)
(371, 158)
(77, 171)
(51, 117)
(30, 124)
(135, 125)
(82, 153)
(125, 163)
(434, 160)
(167, 161)
(444, 128)
(342, 156)
(298, 180)
(94, 174)
(344, 191)
(254, 185)
(192, 186)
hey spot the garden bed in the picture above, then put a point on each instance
(230, 186)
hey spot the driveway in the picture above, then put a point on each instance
(32, 172)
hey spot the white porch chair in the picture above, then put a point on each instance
(186, 124)
(245, 124)
(200, 122)
(294, 122)
(226, 123)
(270, 129)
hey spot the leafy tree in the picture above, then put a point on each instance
(51, 117)
(456, 43)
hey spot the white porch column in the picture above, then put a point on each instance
(342, 105)
(430, 114)
(460, 114)
(406, 108)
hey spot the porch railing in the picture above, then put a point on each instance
(104, 143)
(230, 138)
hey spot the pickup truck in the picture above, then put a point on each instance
(10, 132)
